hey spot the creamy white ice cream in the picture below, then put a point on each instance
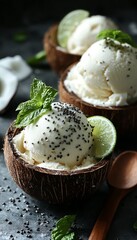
(60, 139)
(106, 75)
(86, 33)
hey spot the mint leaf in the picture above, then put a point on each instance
(20, 37)
(69, 236)
(37, 58)
(62, 229)
(135, 226)
(117, 35)
(41, 97)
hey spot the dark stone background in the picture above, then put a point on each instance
(23, 12)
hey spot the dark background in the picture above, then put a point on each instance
(24, 12)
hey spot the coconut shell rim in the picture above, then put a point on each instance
(48, 37)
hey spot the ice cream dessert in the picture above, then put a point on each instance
(106, 74)
(53, 152)
(51, 141)
(76, 32)
(105, 79)
(86, 33)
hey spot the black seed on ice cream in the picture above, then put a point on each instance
(64, 134)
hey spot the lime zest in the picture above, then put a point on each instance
(68, 24)
(104, 134)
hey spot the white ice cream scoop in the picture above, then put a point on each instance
(106, 75)
(86, 33)
(61, 136)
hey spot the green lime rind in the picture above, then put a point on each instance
(68, 24)
(104, 134)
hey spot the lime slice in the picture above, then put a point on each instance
(68, 24)
(104, 134)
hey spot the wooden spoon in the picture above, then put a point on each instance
(122, 178)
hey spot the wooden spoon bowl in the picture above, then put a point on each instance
(122, 178)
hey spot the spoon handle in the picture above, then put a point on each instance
(103, 222)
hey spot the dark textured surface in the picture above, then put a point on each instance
(22, 217)
(24, 12)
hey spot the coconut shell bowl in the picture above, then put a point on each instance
(57, 57)
(53, 186)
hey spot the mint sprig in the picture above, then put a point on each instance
(37, 58)
(20, 37)
(62, 231)
(135, 226)
(41, 97)
(117, 35)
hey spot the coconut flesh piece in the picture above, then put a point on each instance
(17, 66)
(8, 87)
(62, 138)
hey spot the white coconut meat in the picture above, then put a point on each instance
(8, 87)
(17, 66)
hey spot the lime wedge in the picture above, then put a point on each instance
(68, 24)
(104, 134)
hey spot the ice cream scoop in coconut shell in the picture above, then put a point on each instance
(53, 186)
(58, 58)
(124, 117)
